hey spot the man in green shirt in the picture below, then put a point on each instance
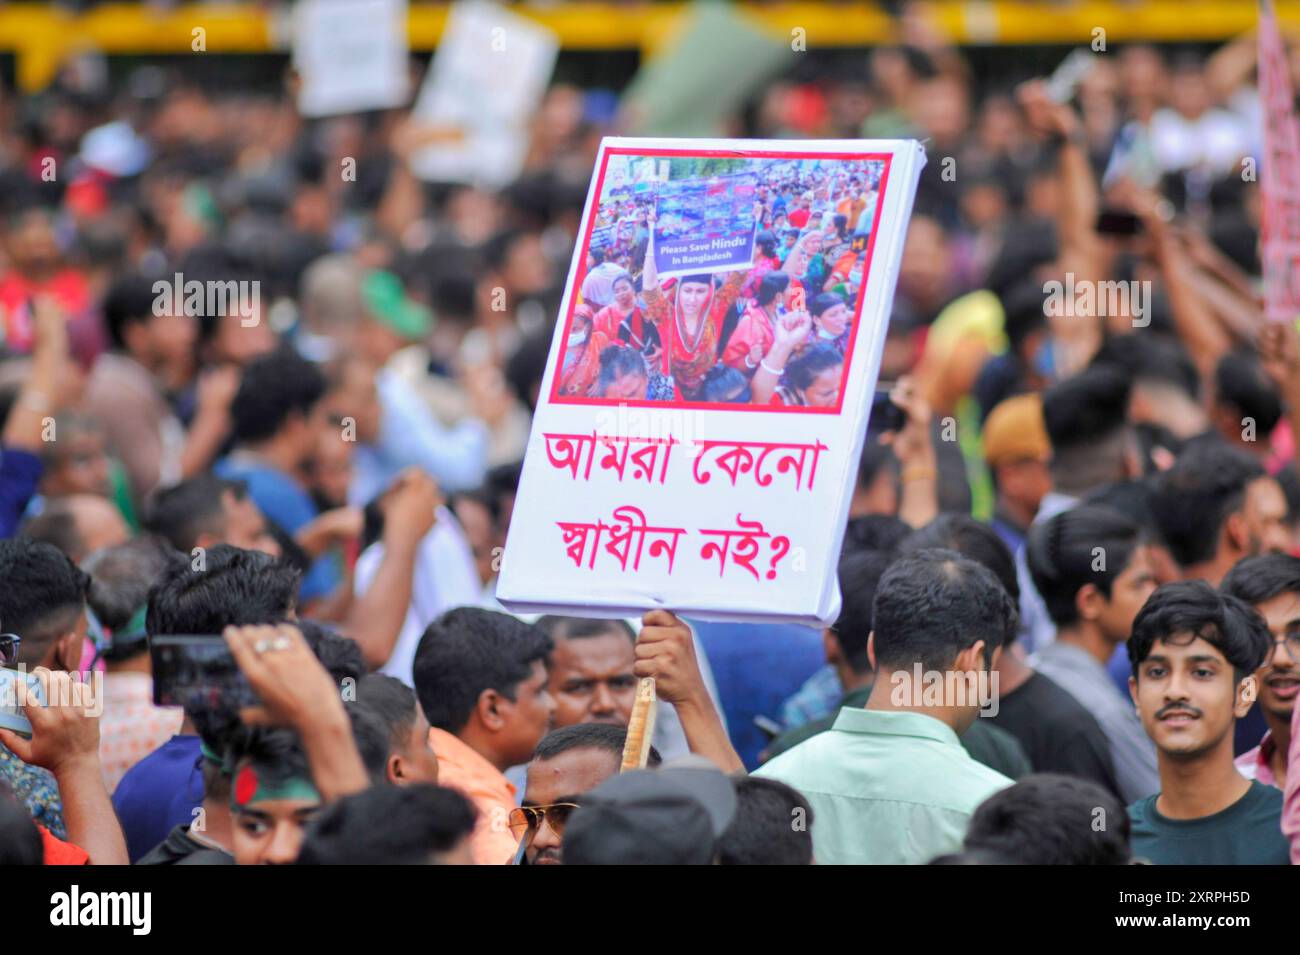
(846, 651)
(1195, 652)
(890, 783)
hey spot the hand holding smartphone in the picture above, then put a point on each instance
(198, 671)
(12, 697)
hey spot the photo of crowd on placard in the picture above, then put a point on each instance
(721, 280)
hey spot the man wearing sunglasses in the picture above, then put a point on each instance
(568, 762)
(1271, 584)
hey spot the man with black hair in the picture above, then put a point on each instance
(207, 510)
(1195, 654)
(568, 762)
(846, 650)
(132, 727)
(592, 675)
(1215, 506)
(1271, 584)
(481, 680)
(1166, 387)
(772, 825)
(1090, 565)
(152, 356)
(1246, 406)
(273, 796)
(208, 837)
(890, 782)
(409, 756)
(1092, 442)
(882, 532)
(1046, 819)
(227, 587)
(276, 421)
(371, 736)
(590, 670)
(672, 815)
(43, 601)
(420, 824)
(1055, 732)
(1133, 500)
(308, 758)
(230, 587)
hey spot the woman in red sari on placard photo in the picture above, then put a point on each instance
(689, 318)
(753, 335)
(580, 364)
(621, 320)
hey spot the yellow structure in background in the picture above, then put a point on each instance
(42, 37)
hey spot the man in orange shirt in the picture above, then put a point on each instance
(481, 679)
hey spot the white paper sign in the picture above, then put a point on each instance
(686, 459)
(351, 55)
(486, 81)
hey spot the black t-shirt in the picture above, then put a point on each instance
(180, 848)
(1057, 733)
(1249, 832)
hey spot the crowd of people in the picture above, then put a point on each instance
(775, 331)
(1091, 513)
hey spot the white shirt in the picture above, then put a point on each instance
(445, 577)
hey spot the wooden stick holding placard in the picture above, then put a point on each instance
(641, 726)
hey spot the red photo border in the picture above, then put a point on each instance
(555, 398)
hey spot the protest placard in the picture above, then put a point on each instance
(1280, 176)
(350, 55)
(486, 81)
(705, 224)
(698, 435)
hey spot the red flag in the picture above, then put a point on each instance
(1280, 177)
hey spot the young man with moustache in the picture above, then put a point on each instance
(1271, 584)
(1195, 653)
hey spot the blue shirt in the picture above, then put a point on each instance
(20, 472)
(159, 793)
(409, 435)
(818, 698)
(283, 500)
(756, 667)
